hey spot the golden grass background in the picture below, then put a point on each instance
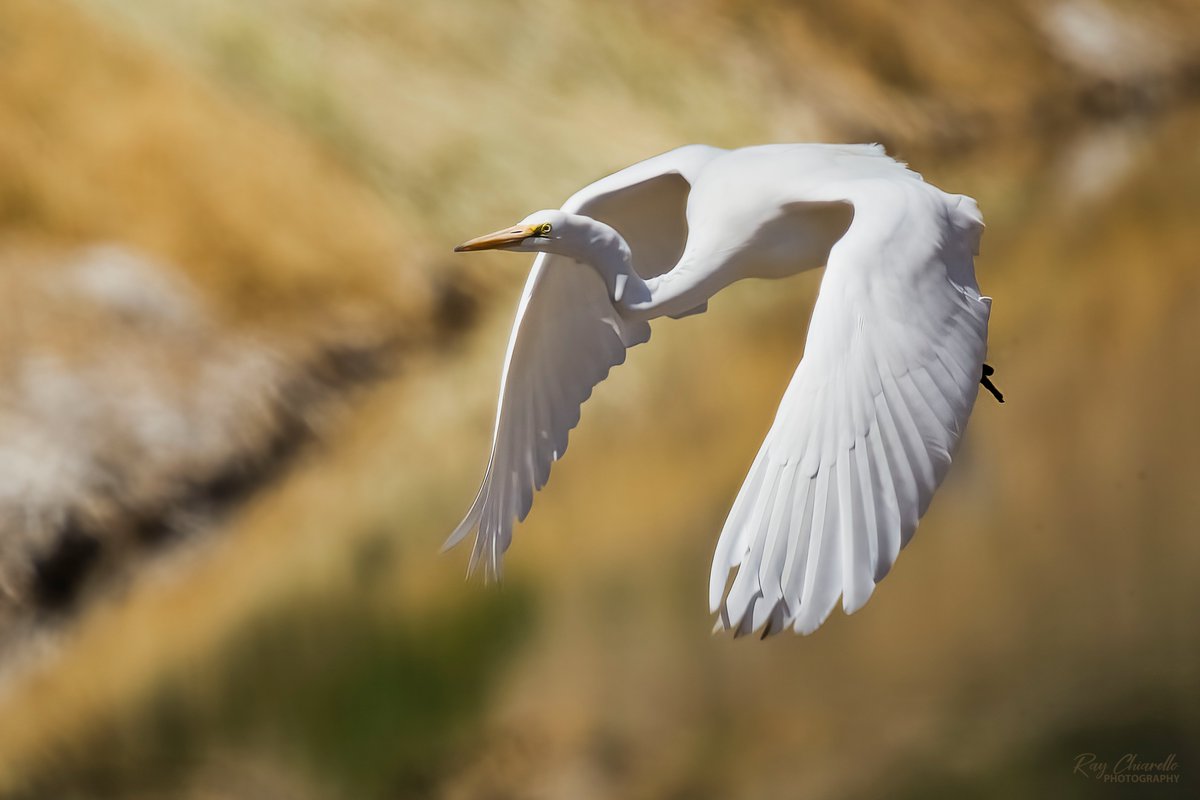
(289, 178)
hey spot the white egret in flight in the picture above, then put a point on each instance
(867, 427)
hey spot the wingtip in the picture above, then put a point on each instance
(468, 524)
(718, 578)
(774, 624)
(454, 539)
(852, 603)
(722, 623)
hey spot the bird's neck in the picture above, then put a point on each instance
(604, 250)
(681, 291)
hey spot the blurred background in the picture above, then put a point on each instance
(246, 391)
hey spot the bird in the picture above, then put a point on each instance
(868, 425)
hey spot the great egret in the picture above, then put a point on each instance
(868, 424)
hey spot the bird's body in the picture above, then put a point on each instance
(866, 429)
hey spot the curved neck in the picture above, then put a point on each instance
(600, 247)
(603, 249)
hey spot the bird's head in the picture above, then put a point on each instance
(540, 231)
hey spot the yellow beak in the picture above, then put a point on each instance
(500, 239)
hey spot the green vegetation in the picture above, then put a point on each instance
(338, 689)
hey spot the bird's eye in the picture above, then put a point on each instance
(545, 229)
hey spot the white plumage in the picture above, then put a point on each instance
(868, 424)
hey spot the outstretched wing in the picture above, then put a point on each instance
(866, 429)
(567, 336)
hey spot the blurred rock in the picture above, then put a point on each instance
(129, 414)
(133, 288)
(184, 283)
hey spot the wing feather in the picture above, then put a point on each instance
(867, 428)
(566, 337)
